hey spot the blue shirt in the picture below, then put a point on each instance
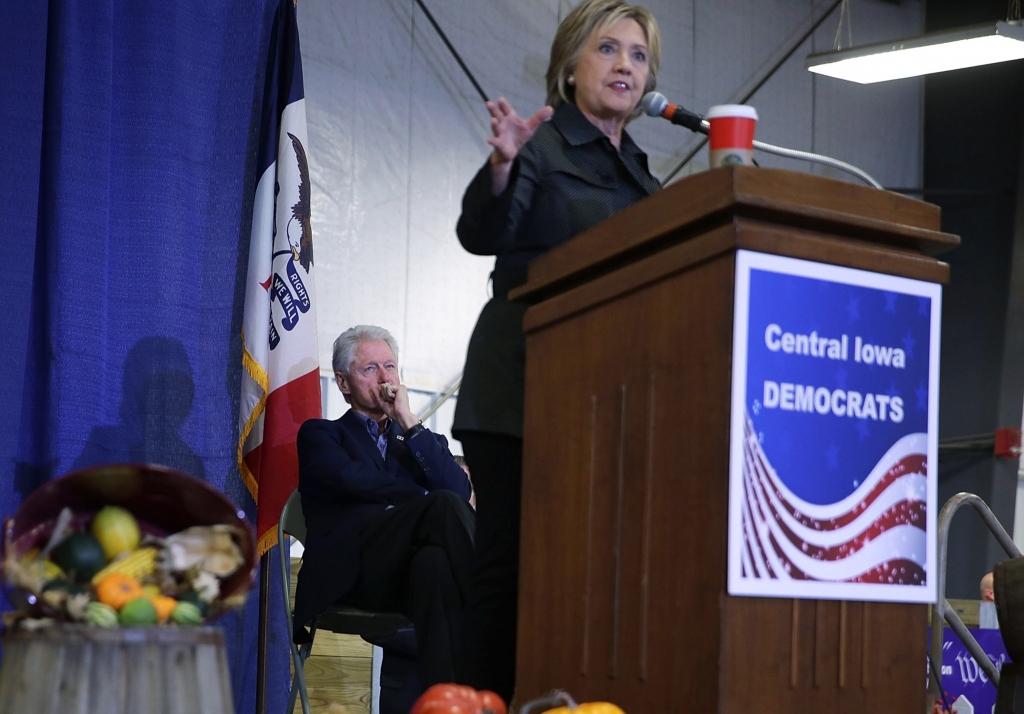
(373, 429)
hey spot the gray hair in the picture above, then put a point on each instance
(348, 341)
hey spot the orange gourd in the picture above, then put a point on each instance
(117, 589)
(164, 606)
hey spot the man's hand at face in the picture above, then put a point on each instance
(394, 401)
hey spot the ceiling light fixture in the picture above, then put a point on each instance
(938, 52)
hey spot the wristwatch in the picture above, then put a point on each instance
(414, 430)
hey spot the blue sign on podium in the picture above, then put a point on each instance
(834, 432)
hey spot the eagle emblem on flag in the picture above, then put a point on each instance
(302, 246)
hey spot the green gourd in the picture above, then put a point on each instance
(80, 555)
(100, 615)
(64, 585)
(138, 612)
(193, 597)
(185, 613)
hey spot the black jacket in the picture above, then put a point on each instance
(566, 179)
(343, 482)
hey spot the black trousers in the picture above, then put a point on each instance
(415, 559)
(489, 657)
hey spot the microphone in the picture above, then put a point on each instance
(655, 104)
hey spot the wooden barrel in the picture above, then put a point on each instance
(75, 669)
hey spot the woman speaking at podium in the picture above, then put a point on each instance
(544, 182)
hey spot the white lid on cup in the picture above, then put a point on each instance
(743, 111)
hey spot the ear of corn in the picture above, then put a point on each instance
(138, 564)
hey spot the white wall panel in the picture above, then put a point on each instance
(447, 286)
(397, 131)
(663, 142)
(876, 127)
(784, 105)
(736, 43)
(356, 64)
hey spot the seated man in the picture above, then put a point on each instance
(387, 519)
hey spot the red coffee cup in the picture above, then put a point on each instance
(731, 134)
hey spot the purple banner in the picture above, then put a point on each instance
(966, 685)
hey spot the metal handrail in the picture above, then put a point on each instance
(942, 609)
(445, 396)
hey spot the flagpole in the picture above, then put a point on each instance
(262, 638)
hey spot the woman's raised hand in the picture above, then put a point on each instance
(510, 133)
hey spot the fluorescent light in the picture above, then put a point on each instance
(939, 52)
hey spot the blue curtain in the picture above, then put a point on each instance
(128, 131)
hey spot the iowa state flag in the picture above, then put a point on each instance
(281, 376)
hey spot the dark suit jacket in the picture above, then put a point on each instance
(566, 179)
(343, 482)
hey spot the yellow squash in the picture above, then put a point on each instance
(117, 531)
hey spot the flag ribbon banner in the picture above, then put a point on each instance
(834, 432)
(281, 376)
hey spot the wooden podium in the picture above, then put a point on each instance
(622, 592)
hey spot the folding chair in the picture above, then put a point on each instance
(337, 618)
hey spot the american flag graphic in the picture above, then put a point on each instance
(877, 534)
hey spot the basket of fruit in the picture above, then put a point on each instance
(126, 544)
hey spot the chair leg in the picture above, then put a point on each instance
(298, 682)
(299, 656)
(376, 663)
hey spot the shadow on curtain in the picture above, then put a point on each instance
(156, 400)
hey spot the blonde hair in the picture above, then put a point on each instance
(588, 17)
